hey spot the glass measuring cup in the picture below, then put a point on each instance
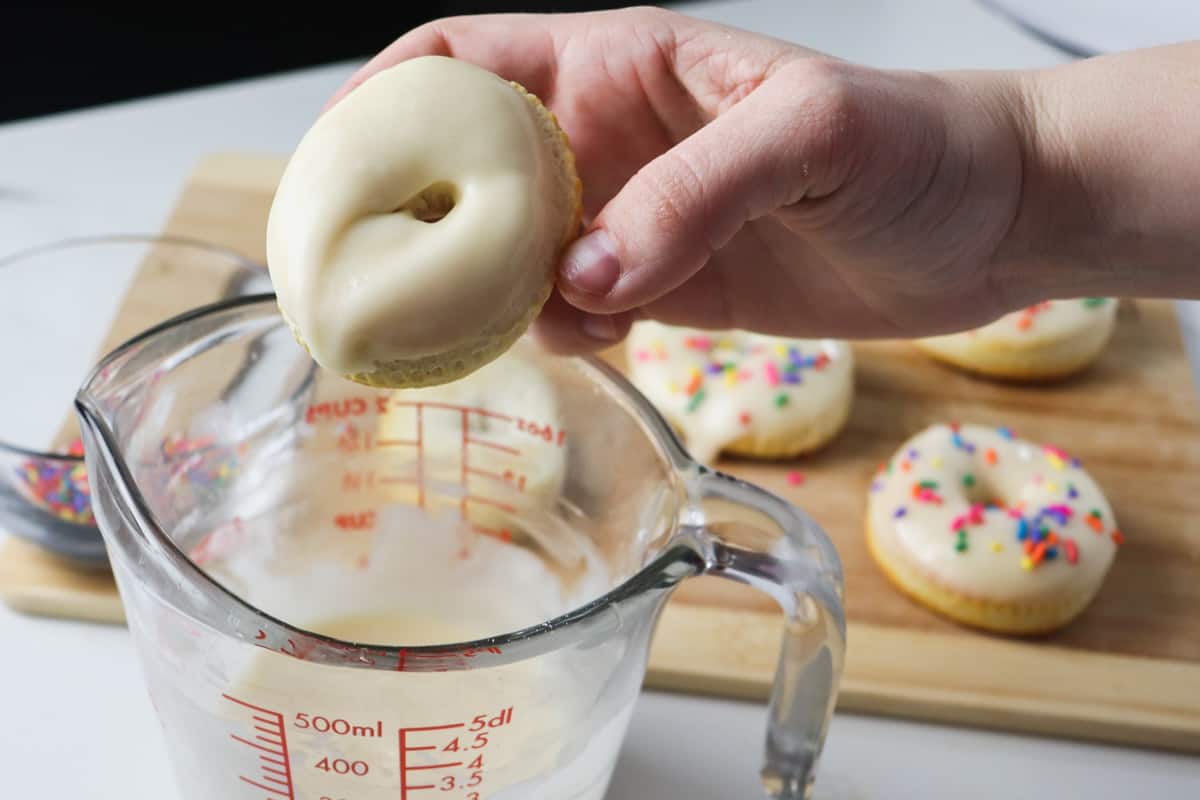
(340, 593)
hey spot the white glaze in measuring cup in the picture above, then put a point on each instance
(325, 611)
(465, 734)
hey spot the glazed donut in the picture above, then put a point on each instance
(743, 393)
(990, 530)
(414, 234)
(510, 479)
(1047, 340)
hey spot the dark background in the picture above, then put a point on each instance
(57, 57)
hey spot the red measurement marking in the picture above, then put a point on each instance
(503, 534)
(430, 728)
(466, 439)
(496, 476)
(355, 480)
(483, 412)
(399, 479)
(397, 443)
(276, 782)
(493, 445)
(420, 457)
(487, 501)
(406, 748)
(355, 521)
(337, 409)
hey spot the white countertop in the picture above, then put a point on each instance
(75, 721)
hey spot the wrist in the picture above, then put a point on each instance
(1107, 185)
(1052, 249)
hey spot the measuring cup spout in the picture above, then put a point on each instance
(753, 537)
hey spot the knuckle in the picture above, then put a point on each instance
(833, 119)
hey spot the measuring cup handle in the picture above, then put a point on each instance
(756, 538)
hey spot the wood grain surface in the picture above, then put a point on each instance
(1128, 670)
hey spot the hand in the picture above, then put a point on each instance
(736, 181)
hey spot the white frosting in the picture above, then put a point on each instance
(1049, 336)
(987, 560)
(517, 460)
(743, 391)
(358, 273)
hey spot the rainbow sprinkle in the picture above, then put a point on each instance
(795, 478)
(1094, 302)
(60, 488)
(772, 373)
(1025, 320)
(1041, 533)
(924, 491)
(782, 366)
(204, 463)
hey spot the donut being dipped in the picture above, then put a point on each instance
(414, 234)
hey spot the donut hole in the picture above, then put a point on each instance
(433, 203)
(980, 492)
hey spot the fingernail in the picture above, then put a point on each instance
(590, 264)
(599, 327)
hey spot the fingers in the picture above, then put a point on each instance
(518, 47)
(770, 150)
(564, 329)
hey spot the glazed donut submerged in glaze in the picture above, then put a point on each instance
(416, 229)
(990, 530)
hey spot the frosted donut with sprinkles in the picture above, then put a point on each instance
(742, 393)
(990, 530)
(1044, 341)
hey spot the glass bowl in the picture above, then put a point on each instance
(62, 306)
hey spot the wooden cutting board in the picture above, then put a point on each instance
(1127, 671)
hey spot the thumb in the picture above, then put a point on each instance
(770, 150)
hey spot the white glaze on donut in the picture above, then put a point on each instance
(1047, 338)
(928, 507)
(367, 269)
(743, 392)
